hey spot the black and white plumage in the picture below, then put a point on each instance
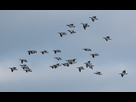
(95, 54)
(107, 38)
(71, 31)
(28, 70)
(71, 60)
(98, 73)
(123, 73)
(43, 52)
(62, 33)
(55, 66)
(23, 60)
(58, 58)
(85, 25)
(55, 51)
(87, 49)
(88, 64)
(65, 64)
(93, 18)
(31, 52)
(71, 25)
(80, 68)
(12, 69)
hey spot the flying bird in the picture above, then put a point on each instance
(123, 73)
(65, 64)
(95, 54)
(85, 25)
(93, 18)
(107, 38)
(55, 51)
(71, 31)
(12, 69)
(80, 68)
(98, 73)
(31, 52)
(62, 33)
(86, 49)
(23, 60)
(45, 51)
(58, 58)
(71, 25)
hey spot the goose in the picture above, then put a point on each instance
(70, 25)
(86, 49)
(55, 51)
(98, 73)
(95, 54)
(53, 66)
(123, 73)
(65, 64)
(107, 38)
(62, 33)
(71, 31)
(87, 64)
(23, 60)
(71, 60)
(31, 52)
(85, 25)
(28, 70)
(12, 69)
(45, 51)
(58, 64)
(93, 18)
(90, 66)
(80, 68)
(58, 58)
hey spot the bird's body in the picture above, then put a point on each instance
(86, 49)
(62, 33)
(85, 25)
(45, 51)
(123, 73)
(58, 58)
(23, 60)
(31, 52)
(95, 54)
(98, 73)
(55, 66)
(93, 18)
(107, 38)
(80, 68)
(55, 51)
(71, 31)
(65, 64)
(71, 25)
(12, 69)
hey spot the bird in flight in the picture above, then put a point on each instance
(98, 73)
(85, 25)
(80, 68)
(45, 51)
(123, 73)
(95, 54)
(71, 25)
(62, 33)
(93, 18)
(12, 69)
(23, 60)
(55, 51)
(86, 49)
(107, 38)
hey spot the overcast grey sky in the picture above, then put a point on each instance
(23, 30)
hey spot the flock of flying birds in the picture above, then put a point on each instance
(70, 61)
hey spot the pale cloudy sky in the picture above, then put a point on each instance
(23, 30)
